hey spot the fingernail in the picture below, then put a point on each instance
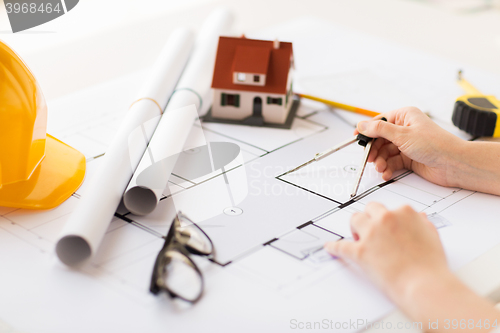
(362, 126)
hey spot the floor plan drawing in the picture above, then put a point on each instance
(268, 229)
(289, 228)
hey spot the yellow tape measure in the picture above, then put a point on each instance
(476, 113)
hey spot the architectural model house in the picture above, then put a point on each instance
(252, 83)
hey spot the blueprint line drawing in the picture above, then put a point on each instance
(302, 240)
(268, 230)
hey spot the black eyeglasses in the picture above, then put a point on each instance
(174, 271)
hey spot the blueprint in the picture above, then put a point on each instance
(268, 229)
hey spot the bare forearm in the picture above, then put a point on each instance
(476, 166)
(442, 303)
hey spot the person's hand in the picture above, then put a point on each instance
(411, 140)
(393, 247)
(401, 252)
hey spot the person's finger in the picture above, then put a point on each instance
(394, 127)
(395, 163)
(359, 225)
(381, 159)
(380, 164)
(342, 248)
(379, 128)
(375, 209)
(389, 150)
(426, 220)
(384, 153)
(431, 226)
(380, 116)
(376, 146)
(390, 116)
(354, 233)
(387, 174)
(373, 155)
(399, 116)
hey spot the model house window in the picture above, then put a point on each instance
(256, 78)
(241, 77)
(278, 101)
(230, 99)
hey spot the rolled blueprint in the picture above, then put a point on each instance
(88, 223)
(144, 193)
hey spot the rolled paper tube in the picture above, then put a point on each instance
(88, 223)
(170, 136)
(191, 164)
(145, 189)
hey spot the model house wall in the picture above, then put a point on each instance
(252, 78)
(272, 113)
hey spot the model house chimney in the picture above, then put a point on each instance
(276, 44)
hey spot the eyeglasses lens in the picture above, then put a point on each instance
(191, 236)
(180, 277)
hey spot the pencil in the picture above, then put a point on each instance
(340, 105)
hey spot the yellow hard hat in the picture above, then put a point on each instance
(37, 171)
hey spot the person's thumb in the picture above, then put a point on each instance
(380, 129)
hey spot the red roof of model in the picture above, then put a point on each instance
(251, 59)
(252, 56)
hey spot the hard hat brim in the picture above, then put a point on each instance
(56, 178)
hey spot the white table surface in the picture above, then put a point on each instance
(58, 51)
